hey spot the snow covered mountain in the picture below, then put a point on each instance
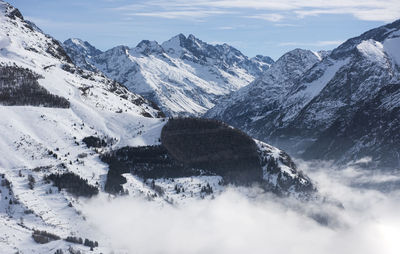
(342, 106)
(184, 75)
(264, 96)
(81, 52)
(59, 124)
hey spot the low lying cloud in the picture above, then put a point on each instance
(246, 221)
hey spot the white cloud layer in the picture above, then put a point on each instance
(373, 10)
(233, 223)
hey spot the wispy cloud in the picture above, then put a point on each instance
(225, 28)
(313, 44)
(60, 24)
(269, 10)
(286, 25)
(273, 17)
(179, 14)
(374, 14)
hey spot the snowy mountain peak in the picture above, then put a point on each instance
(298, 53)
(79, 50)
(252, 103)
(83, 46)
(189, 48)
(264, 59)
(120, 49)
(193, 49)
(291, 65)
(372, 49)
(180, 38)
(10, 11)
(174, 45)
(379, 34)
(147, 47)
(11, 17)
(192, 37)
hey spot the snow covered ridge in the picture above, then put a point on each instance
(303, 102)
(281, 175)
(26, 47)
(184, 75)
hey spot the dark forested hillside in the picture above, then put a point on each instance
(190, 146)
(213, 145)
(20, 87)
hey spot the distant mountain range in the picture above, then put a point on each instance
(342, 105)
(184, 75)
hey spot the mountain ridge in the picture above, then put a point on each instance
(184, 75)
(321, 96)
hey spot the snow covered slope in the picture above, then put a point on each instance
(55, 121)
(184, 75)
(36, 141)
(323, 99)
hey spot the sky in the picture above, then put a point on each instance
(266, 27)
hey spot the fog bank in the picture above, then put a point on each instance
(235, 223)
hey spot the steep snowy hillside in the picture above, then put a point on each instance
(52, 106)
(58, 125)
(184, 75)
(321, 105)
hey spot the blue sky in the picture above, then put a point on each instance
(270, 27)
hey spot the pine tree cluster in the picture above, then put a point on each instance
(20, 87)
(73, 183)
(43, 237)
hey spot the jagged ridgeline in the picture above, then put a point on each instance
(20, 87)
(189, 147)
